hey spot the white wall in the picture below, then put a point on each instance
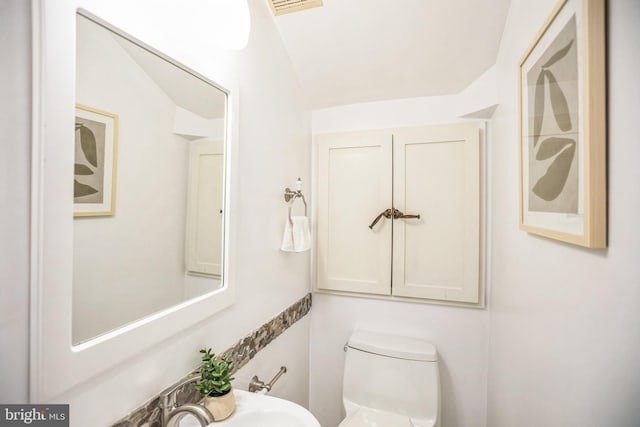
(459, 334)
(15, 160)
(272, 120)
(565, 324)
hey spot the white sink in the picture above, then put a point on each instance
(259, 410)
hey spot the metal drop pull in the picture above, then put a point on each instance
(387, 214)
(400, 215)
(392, 213)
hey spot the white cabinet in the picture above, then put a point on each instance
(433, 172)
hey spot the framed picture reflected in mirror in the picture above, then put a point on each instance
(95, 162)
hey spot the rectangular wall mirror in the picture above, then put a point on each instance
(132, 195)
(148, 182)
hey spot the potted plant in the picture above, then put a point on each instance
(215, 384)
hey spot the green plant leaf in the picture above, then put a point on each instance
(550, 185)
(538, 108)
(558, 55)
(88, 145)
(552, 146)
(81, 190)
(80, 169)
(215, 374)
(558, 103)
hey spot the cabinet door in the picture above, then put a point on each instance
(354, 186)
(437, 175)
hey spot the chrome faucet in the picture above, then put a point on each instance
(172, 413)
(201, 413)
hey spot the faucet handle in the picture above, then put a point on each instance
(257, 385)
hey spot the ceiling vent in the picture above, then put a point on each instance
(280, 7)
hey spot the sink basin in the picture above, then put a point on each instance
(259, 410)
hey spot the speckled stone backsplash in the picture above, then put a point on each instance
(241, 352)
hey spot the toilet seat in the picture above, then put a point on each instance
(366, 417)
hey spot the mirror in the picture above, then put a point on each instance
(149, 172)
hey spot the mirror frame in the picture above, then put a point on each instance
(56, 365)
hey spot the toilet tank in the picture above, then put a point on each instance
(391, 373)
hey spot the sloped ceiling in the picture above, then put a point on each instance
(351, 51)
(186, 90)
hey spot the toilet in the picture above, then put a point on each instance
(390, 381)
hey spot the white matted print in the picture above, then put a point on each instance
(96, 147)
(563, 128)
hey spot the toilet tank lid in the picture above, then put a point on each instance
(393, 346)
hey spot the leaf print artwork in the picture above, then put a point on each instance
(82, 189)
(95, 145)
(538, 108)
(562, 129)
(552, 146)
(88, 144)
(88, 168)
(552, 182)
(558, 55)
(558, 103)
(553, 135)
(80, 169)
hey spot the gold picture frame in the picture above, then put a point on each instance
(562, 127)
(95, 162)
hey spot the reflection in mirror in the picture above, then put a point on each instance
(148, 183)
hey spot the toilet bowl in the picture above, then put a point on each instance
(390, 381)
(367, 417)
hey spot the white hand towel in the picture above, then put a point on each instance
(297, 238)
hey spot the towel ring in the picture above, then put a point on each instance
(292, 200)
(290, 197)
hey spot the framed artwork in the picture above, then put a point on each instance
(96, 149)
(562, 127)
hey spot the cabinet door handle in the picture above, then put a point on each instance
(392, 213)
(397, 214)
(388, 213)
